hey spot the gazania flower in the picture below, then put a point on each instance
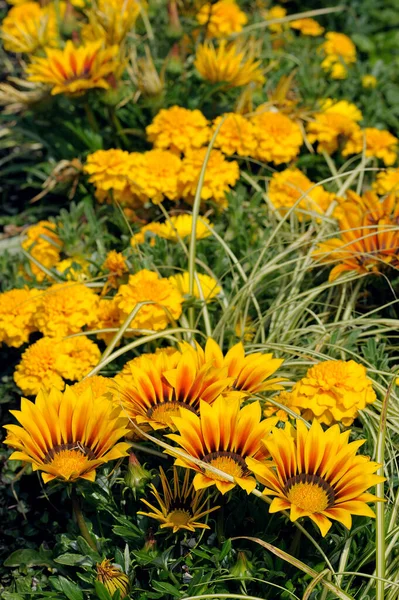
(290, 187)
(180, 226)
(59, 434)
(148, 233)
(236, 135)
(164, 300)
(223, 435)
(180, 506)
(376, 142)
(220, 174)
(178, 129)
(113, 578)
(278, 137)
(111, 20)
(77, 357)
(228, 64)
(336, 121)
(308, 27)
(209, 286)
(17, 308)
(74, 70)
(317, 475)
(29, 27)
(222, 18)
(339, 52)
(43, 244)
(387, 182)
(369, 82)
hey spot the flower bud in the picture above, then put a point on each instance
(113, 578)
(243, 568)
(136, 477)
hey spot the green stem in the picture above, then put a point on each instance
(80, 520)
(91, 118)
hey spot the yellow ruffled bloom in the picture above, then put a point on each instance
(221, 18)
(113, 578)
(39, 367)
(335, 121)
(43, 244)
(387, 182)
(74, 70)
(209, 286)
(99, 385)
(17, 309)
(178, 129)
(115, 264)
(107, 316)
(229, 64)
(339, 52)
(29, 27)
(236, 135)
(376, 142)
(146, 286)
(308, 27)
(108, 169)
(220, 175)
(278, 137)
(78, 355)
(154, 175)
(369, 82)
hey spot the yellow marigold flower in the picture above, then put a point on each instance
(180, 507)
(377, 143)
(145, 286)
(229, 64)
(209, 286)
(317, 474)
(339, 52)
(74, 269)
(115, 264)
(64, 308)
(111, 20)
(308, 27)
(108, 169)
(220, 174)
(369, 82)
(97, 383)
(17, 309)
(291, 187)
(278, 137)
(178, 129)
(39, 367)
(154, 175)
(236, 135)
(78, 355)
(74, 70)
(222, 18)
(271, 410)
(44, 245)
(107, 316)
(29, 27)
(276, 12)
(387, 182)
(59, 434)
(113, 578)
(223, 435)
(334, 122)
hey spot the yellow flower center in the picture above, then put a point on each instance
(230, 463)
(309, 492)
(179, 517)
(69, 463)
(163, 413)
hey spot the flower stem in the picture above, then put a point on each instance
(80, 520)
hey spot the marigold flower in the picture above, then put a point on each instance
(165, 302)
(178, 129)
(74, 70)
(291, 187)
(74, 269)
(376, 142)
(97, 383)
(369, 82)
(78, 355)
(43, 244)
(115, 264)
(276, 12)
(334, 122)
(59, 434)
(317, 474)
(17, 309)
(111, 20)
(154, 175)
(228, 64)
(236, 135)
(180, 507)
(222, 18)
(278, 137)
(29, 27)
(113, 578)
(219, 176)
(107, 316)
(223, 435)
(308, 27)
(39, 367)
(209, 286)
(339, 52)
(108, 169)
(387, 182)
(64, 308)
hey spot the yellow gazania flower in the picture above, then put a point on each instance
(113, 578)
(175, 228)
(278, 137)
(335, 121)
(159, 385)
(236, 135)
(209, 286)
(288, 187)
(222, 18)
(68, 436)
(180, 508)
(43, 244)
(317, 475)
(387, 182)
(111, 20)
(369, 82)
(276, 12)
(74, 70)
(339, 52)
(308, 27)
(223, 435)
(178, 129)
(29, 27)
(17, 309)
(228, 64)
(376, 142)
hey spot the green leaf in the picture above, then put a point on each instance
(163, 586)
(73, 559)
(30, 558)
(71, 590)
(11, 596)
(87, 551)
(101, 591)
(226, 548)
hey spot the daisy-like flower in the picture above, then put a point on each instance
(222, 18)
(39, 367)
(339, 51)
(223, 435)
(154, 175)
(376, 142)
(29, 27)
(276, 12)
(209, 286)
(369, 82)
(317, 474)
(164, 300)
(387, 182)
(290, 187)
(97, 383)
(220, 174)
(78, 355)
(43, 244)
(111, 20)
(236, 135)
(74, 70)
(17, 308)
(307, 27)
(59, 434)
(65, 308)
(229, 64)
(336, 121)
(178, 129)
(113, 578)
(180, 226)
(278, 137)
(180, 506)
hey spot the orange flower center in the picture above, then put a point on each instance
(69, 460)
(163, 413)
(309, 492)
(229, 462)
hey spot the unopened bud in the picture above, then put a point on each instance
(243, 568)
(136, 477)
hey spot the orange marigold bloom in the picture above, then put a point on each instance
(74, 70)
(335, 121)
(115, 264)
(222, 18)
(236, 135)
(376, 142)
(17, 309)
(278, 137)
(339, 52)
(178, 129)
